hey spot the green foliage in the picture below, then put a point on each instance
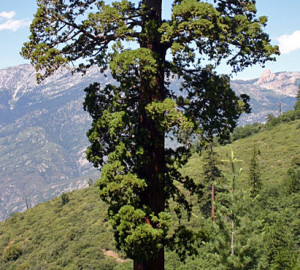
(272, 121)
(90, 182)
(254, 174)
(267, 227)
(11, 253)
(293, 177)
(212, 104)
(64, 198)
(279, 250)
(54, 237)
(234, 242)
(298, 93)
(284, 118)
(297, 105)
(254, 216)
(287, 116)
(186, 243)
(114, 23)
(131, 119)
(211, 178)
(130, 225)
(246, 131)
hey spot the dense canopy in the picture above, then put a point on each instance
(131, 119)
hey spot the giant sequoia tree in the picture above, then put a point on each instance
(132, 118)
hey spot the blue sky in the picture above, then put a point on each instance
(283, 28)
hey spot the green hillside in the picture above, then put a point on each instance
(54, 235)
(278, 147)
(71, 231)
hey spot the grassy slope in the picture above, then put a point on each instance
(56, 236)
(74, 235)
(278, 146)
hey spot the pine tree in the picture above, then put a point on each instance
(279, 250)
(132, 118)
(292, 185)
(234, 242)
(293, 177)
(211, 178)
(254, 174)
(232, 161)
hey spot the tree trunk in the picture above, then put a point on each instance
(155, 264)
(153, 170)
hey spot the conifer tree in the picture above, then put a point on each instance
(293, 177)
(292, 185)
(232, 201)
(211, 178)
(254, 174)
(132, 118)
(234, 243)
(279, 250)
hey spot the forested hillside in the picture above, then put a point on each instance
(72, 232)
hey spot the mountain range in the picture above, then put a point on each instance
(43, 127)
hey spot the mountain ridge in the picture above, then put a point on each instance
(43, 127)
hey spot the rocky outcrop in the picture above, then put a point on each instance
(284, 83)
(266, 76)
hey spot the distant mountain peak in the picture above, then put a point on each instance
(284, 83)
(266, 77)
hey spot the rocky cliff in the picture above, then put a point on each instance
(270, 94)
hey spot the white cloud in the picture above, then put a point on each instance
(10, 23)
(7, 15)
(289, 43)
(14, 25)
